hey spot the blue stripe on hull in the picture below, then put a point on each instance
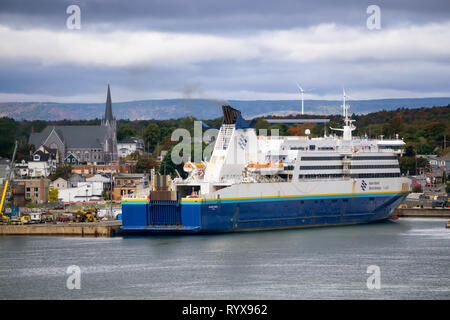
(221, 216)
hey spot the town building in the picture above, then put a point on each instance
(35, 189)
(41, 163)
(129, 146)
(59, 184)
(82, 144)
(73, 181)
(103, 180)
(117, 167)
(127, 184)
(4, 169)
(83, 192)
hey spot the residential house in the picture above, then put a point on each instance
(444, 162)
(39, 164)
(98, 178)
(126, 184)
(59, 184)
(128, 146)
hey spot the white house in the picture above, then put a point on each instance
(105, 181)
(40, 164)
(128, 146)
(59, 184)
(84, 192)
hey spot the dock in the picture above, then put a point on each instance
(82, 229)
(424, 212)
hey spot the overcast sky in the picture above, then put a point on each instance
(246, 49)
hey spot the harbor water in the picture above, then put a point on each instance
(413, 256)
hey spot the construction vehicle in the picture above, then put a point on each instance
(3, 218)
(86, 215)
(25, 218)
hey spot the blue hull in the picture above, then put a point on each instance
(256, 214)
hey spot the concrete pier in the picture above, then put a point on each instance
(421, 212)
(84, 229)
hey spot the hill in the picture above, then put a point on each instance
(199, 108)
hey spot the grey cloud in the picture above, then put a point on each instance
(214, 16)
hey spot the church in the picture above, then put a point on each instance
(82, 144)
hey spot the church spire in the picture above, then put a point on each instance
(108, 108)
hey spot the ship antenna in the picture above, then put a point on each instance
(348, 126)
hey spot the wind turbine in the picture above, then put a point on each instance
(301, 91)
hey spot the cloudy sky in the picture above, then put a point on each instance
(234, 49)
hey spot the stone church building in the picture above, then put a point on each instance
(82, 144)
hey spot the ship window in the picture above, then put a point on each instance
(320, 167)
(376, 175)
(312, 147)
(377, 166)
(322, 158)
(374, 158)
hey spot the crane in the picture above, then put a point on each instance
(4, 218)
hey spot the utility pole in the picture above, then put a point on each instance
(415, 156)
(111, 187)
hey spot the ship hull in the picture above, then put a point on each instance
(268, 212)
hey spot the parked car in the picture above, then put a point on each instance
(64, 219)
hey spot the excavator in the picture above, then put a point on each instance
(3, 218)
(86, 215)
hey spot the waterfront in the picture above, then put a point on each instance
(322, 263)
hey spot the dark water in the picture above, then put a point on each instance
(322, 263)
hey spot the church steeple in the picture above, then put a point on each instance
(108, 109)
(110, 124)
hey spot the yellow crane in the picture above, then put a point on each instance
(4, 218)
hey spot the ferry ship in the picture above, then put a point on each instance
(261, 182)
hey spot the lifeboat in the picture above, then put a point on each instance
(189, 166)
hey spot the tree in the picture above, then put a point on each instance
(8, 131)
(395, 125)
(168, 167)
(151, 136)
(408, 165)
(53, 195)
(125, 131)
(409, 151)
(144, 165)
(64, 172)
(262, 124)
